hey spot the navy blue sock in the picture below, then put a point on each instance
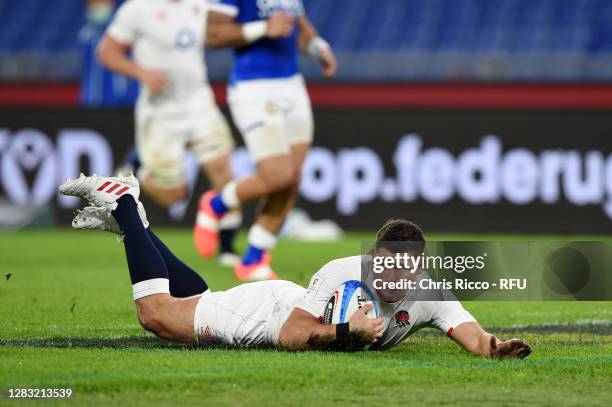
(252, 255)
(144, 260)
(133, 159)
(226, 240)
(184, 281)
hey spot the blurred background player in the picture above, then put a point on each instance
(271, 108)
(101, 87)
(175, 108)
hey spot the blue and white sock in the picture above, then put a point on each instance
(226, 200)
(260, 241)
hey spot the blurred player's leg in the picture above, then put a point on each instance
(273, 174)
(160, 145)
(273, 180)
(276, 123)
(130, 163)
(262, 237)
(163, 196)
(212, 144)
(133, 160)
(219, 173)
(277, 206)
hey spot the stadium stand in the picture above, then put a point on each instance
(430, 40)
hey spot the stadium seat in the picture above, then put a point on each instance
(452, 32)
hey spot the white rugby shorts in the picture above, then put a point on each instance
(163, 137)
(249, 315)
(272, 115)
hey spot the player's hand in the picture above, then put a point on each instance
(328, 62)
(153, 79)
(513, 348)
(280, 25)
(364, 329)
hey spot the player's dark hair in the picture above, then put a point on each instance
(400, 230)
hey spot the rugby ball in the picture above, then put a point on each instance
(347, 299)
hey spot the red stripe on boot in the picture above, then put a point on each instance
(104, 185)
(122, 190)
(111, 189)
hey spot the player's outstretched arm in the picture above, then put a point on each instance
(471, 337)
(223, 30)
(314, 45)
(302, 331)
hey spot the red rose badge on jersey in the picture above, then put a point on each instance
(402, 319)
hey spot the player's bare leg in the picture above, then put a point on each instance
(277, 206)
(164, 197)
(168, 317)
(273, 174)
(218, 171)
(277, 181)
(262, 237)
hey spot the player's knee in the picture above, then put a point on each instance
(152, 319)
(178, 194)
(149, 319)
(165, 190)
(220, 179)
(219, 172)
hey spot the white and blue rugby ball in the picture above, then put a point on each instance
(347, 299)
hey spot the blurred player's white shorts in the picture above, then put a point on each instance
(162, 136)
(247, 315)
(271, 114)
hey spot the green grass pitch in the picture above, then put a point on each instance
(67, 319)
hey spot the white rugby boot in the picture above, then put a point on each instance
(101, 192)
(100, 218)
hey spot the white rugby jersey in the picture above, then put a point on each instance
(167, 35)
(401, 319)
